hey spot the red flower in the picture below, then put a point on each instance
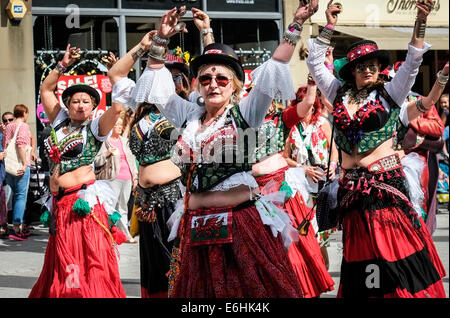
(54, 154)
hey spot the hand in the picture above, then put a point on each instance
(304, 12)
(314, 173)
(2, 155)
(201, 19)
(112, 59)
(147, 40)
(21, 172)
(169, 21)
(71, 56)
(34, 157)
(329, 59)
(445, 69)
(332, 172)
(2, 127)
(424, 8)
(111, 152)
(332, 13)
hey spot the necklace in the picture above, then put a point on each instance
(358, 96)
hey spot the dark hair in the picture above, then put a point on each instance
(7, 113)
(317, 105)
(141, 111)
(20, 110)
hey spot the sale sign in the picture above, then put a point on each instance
(100, 82)
(247, 83)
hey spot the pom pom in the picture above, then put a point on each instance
(45, 217)
(113, 218)
(286, 189)
(81, 207)
(118, 235)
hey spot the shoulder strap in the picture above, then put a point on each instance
(239, 119)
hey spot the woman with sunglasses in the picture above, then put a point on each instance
(388, 251)
(231, 241)
(80, 259)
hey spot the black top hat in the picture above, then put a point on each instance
(221, 54)
(362, 51)
(84, 88)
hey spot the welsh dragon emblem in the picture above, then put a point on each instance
(209, 228)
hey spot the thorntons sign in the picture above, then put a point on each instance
(397, 6)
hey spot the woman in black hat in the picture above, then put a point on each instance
(231, 240)
(80, 260)
(388, 251)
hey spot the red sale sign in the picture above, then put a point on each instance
(100, 82)
(247, 82)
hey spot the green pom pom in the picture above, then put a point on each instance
(287, 189)
(44, 218)
(81, 207)
(113, 218)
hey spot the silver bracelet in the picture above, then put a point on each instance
(138, 54)
(291, 37)
(160, 40)
(157, 52)
(326, 33)
(441, 79)
(420, 107)
(323, 41)
(206, 31)
(420, 31)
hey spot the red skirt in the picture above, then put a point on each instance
(388, 253)
(305, 255)
(252, 265)
(80, 261)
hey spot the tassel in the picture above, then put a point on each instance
(372, 180)
(113, 218)
(380, 194)
(353, 186)
(388, 175)
(45, 217)
(381, 177)
(397, 175)
(286, 189)
(81, 207)
(358, 187)
(303, 227)
(366, 184)
(367, 191)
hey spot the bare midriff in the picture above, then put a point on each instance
(72, 178)
(269, 165)
(218, 199)
(363, 160)
(158, 173)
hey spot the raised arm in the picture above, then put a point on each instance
(421, 106)
(319, 50)
(48, 87)
(405, 77)
(203, 24)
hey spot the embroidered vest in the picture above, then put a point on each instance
(222, 146)
(349, 132)
(271, 137)
(62, 152)
(153, 146)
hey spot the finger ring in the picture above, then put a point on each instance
(181, 13)
(180, 26)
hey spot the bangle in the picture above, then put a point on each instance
(157, 52)
(420, 30)
(311, 80)
(294, 26)
(441, 79)
(160, 40)
(329, 26)
(326, 33)
(291, 37)
(323, 41)
(420, 107)
(60, 67)
(138, 54)
(330, 66)
(206, 31)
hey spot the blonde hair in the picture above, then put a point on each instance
(237, 83)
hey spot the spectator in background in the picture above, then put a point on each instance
(7, 118)
(443, 108)
(19, 184)
(126, 177)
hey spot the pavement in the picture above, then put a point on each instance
(21, 262)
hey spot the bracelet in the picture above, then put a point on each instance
(160, 40)
(326, 33)
(138, 54)
(157, 52)
(60, 67)
(441, 79)
(323, 41)
(330, 66)
(294, 26)
(329, 26)
(311, 80)
(420, 107)
(291, 37)
(420, 30)
(206, 31)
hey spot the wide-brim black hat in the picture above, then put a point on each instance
(83, 88)
(360, 52)
(221, 54)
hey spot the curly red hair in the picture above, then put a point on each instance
(300, 95)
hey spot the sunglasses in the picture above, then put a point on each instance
(221, 80)
(177, 78)
(8, 120)
(361, 68)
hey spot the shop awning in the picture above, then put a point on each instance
(397, 38)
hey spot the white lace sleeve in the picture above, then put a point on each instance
(94, 129)
(62, 115)
(326, 82)
(154, 86)
(272, 80)
(178, 110)
(121, 92)
(405, 77)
